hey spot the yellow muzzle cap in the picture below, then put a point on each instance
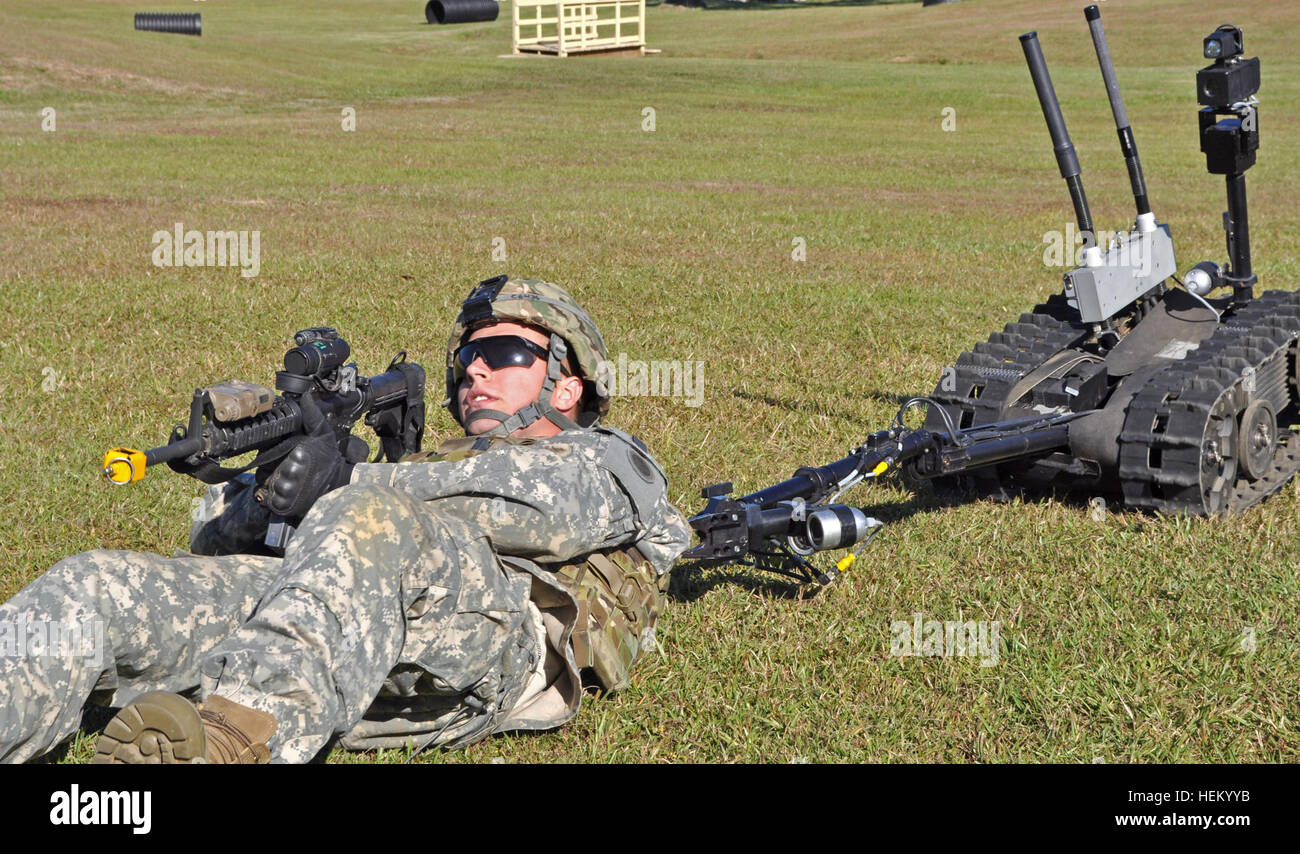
(124, 465)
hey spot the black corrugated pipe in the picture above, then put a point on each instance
(460, 11)
(167, 22)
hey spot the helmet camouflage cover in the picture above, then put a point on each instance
(546, 306)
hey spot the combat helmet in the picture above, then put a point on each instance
(550, 308)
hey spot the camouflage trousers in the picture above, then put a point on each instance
(376, 595)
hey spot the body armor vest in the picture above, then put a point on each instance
(618, 592)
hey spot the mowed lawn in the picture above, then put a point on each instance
(900, 148)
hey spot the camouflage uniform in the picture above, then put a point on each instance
(413, 605)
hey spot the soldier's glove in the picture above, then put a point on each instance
(314, 467)
(230, 520)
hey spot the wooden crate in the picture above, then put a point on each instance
(562, 27)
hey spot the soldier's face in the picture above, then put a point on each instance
(511, 388)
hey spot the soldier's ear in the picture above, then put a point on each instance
(567, 393)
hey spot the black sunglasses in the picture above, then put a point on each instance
(500, 351)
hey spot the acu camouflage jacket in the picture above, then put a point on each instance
(586, 514)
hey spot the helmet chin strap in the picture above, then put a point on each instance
(538, 409)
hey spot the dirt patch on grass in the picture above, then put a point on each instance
(20, 203)
(27, 73)
(850, 195)
(426, 99)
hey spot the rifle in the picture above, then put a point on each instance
(233, 418)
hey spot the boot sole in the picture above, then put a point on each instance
(158, 728)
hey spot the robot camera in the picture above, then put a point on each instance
(1224, 43)
(1231, 79)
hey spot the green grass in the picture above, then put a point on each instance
(1120, 637)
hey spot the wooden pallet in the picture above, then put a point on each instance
(562, 27)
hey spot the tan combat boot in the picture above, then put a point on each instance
(163, 728)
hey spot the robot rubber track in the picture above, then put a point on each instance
(1182, 449)
(1186, 446)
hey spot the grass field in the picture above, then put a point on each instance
(1121, 637)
